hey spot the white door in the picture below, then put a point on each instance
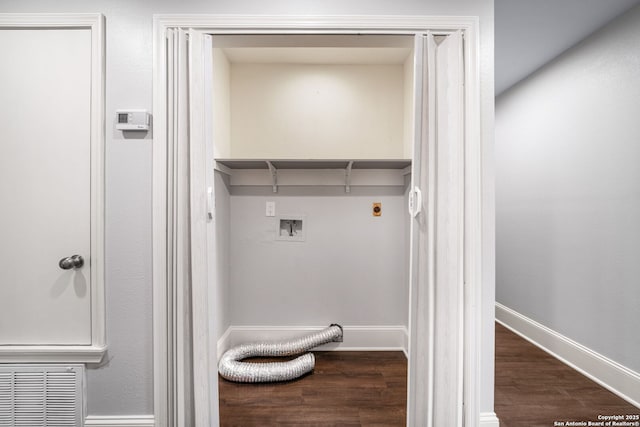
(45, 185)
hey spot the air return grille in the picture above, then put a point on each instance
(41, 395)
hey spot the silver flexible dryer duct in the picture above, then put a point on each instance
(232, 369)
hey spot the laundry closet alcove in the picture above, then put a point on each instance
(319, 120)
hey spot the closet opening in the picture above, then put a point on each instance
(318, 170)
(309, 132)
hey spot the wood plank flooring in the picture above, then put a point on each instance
(345, 389)
(533, 389)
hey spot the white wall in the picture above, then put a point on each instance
(351, 268)
(317, 111)
(568, 193)
(220, 92)
(124, 384)
(222, 256)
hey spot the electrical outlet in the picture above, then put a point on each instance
(377, 209)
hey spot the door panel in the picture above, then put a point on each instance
(45, 186)
(448, 202)
(437, 234)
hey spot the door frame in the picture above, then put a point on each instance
(469, 159)
(77, 353)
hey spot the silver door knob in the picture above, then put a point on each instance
(73, 261)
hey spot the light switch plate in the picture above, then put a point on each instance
(270, 209)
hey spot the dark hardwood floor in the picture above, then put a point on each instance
(345, 389)
(534, 389)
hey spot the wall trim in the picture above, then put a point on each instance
(52, 353)
(611, 375)
(259, 24)
(489, 419)
(120, 421)
(224, 342)
(356, 338)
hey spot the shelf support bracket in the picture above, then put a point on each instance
(347, 177)
(221, 168)
(274, 176)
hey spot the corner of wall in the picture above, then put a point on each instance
(489, 419)
(616, 378)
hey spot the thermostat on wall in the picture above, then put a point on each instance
(132, 120)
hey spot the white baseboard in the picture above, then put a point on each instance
(224, 343)
(489, 419)
(120, 421)
(356, 338)
(616, 378)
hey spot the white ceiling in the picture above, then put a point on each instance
(318, 55)
(530, 33)
(315, 49)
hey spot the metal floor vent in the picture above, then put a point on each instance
(41, 395)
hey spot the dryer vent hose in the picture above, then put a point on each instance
(232, 368)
